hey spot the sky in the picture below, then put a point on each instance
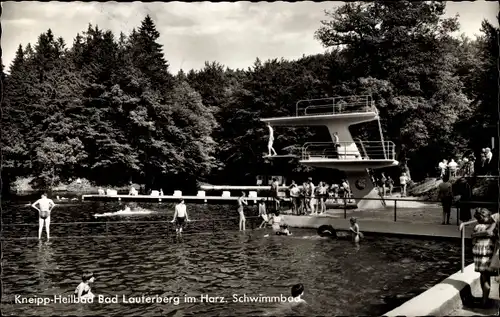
(233, 34)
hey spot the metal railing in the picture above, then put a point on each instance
(108, 225)
(462, 227)
(374, 150)
(335, 105)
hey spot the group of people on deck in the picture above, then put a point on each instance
(311, 199)
(466, 165)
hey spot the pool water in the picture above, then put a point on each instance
(339, 278)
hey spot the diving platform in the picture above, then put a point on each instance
(316, 112)
(355, 157)
(349, 156)
(171, 198)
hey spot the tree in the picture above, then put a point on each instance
(403, 54)
(147, 55)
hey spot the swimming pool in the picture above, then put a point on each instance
(338, 278)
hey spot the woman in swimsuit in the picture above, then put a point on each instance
(242, 201)
(83, 291)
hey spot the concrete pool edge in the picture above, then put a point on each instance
(442, 298)
(378, 227)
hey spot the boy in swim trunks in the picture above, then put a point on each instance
(83, 289)
(180, 216)
(46, 205)
(242, 201)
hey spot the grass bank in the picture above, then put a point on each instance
(22, 185)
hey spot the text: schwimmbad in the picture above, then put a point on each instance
(146, 299)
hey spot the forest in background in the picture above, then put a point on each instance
(108, 109)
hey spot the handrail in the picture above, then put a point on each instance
(364, 101)
(385, 149)
(462, 227)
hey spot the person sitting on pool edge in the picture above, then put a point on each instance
(83, 291)
(180, 216)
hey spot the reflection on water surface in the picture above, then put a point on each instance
(339, 279)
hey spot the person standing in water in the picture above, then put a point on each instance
(241, 202)
(262, 213)
(180, 216)
(275, 193)
(271, 140)
(46, 205)
(356, 234)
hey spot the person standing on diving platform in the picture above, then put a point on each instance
(271, 140)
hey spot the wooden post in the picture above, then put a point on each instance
(395, 209)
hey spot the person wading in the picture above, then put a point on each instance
(46, 205)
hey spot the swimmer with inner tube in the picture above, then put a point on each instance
(180, 216)
(83, 291)
(327, 231)
(46, 206)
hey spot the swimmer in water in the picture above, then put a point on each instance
(297, 293)
(46, 205)
(241, 202)
(180, 216)
(262, 213)
(356, 234)
(276, 222)
(83, 289)
(284, 231)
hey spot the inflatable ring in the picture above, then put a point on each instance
(327, 231)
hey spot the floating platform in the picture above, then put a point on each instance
(150, 198)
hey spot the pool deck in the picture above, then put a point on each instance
(457, 295)
(378, 226)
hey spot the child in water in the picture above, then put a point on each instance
(82, 291)
(284, 231)
(356, 234)
(276, 221)
(262, 213)
(297, 293)
(483, 249)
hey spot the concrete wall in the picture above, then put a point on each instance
(443, 298)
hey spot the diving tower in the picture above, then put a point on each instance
(354, 157)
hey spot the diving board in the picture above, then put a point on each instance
(280, 156)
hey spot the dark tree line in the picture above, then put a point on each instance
(108, 109)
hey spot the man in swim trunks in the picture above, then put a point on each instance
(46, 205)
(274, 193)
(271, 140)
(241, 202)
(180, 216)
